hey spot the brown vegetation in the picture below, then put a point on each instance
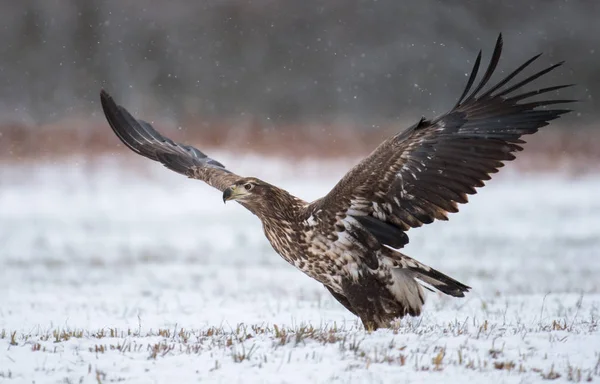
(557, 148)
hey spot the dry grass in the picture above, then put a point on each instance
(261, 345)
(577, 151)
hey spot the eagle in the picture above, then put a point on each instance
(350, 239)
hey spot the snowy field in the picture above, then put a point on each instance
(132, 273)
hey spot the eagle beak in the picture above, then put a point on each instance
(235, 192)
(228, 194)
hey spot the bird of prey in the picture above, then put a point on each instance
(349, 240)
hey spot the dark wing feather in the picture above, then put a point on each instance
(143, 139)
(423, 173)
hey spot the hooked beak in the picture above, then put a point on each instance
(229, 194)
(235, 192)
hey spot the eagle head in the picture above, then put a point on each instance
(263, 199)
(244, 190)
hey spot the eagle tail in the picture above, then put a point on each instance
(427, 275)
(441, 282)
(395, 290)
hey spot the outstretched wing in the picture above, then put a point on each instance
(143, 139)
(423, 173)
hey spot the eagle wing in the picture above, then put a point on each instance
(143, 139)
(423, 173)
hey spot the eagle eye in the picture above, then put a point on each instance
(248, 186)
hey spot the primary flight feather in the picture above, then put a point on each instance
(349, 239)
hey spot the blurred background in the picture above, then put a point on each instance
(292, 92)
(334, 75)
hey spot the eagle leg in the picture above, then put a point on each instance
(342, 300)
(372, 302)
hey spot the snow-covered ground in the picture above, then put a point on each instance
(128, 272)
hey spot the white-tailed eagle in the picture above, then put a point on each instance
(349, 239)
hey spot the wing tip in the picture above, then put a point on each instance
(499, 41)
(494, 60)
(104, 95)
(139, 136)
(108, 104)
(471, 80)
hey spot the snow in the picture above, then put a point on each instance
(123, 271)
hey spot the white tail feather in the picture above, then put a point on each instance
(407, 290)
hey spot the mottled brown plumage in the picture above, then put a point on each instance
(348, 240)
